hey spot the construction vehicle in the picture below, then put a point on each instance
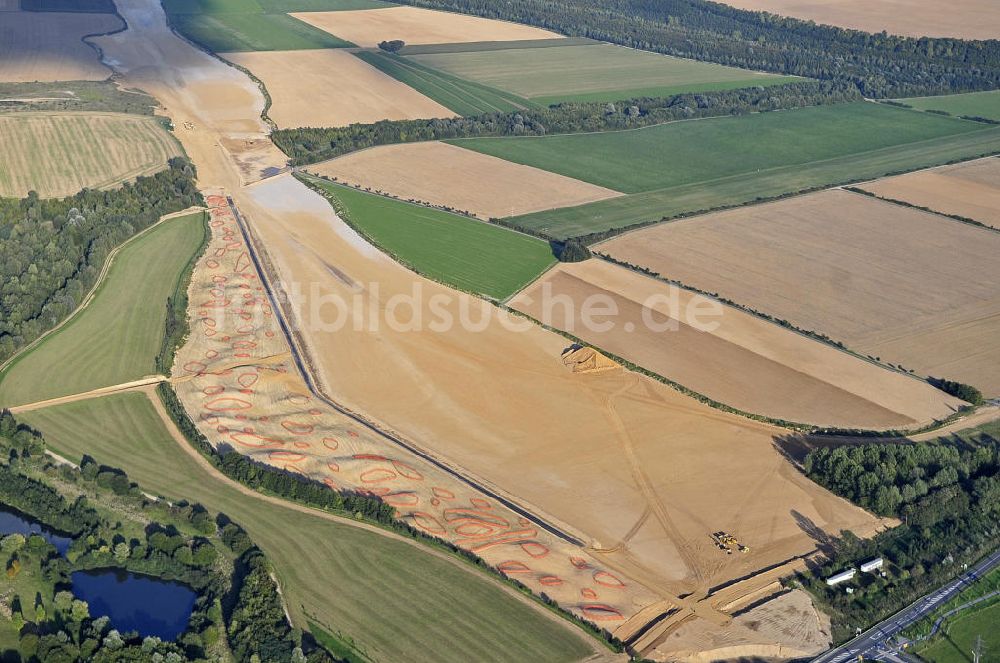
(728, 542)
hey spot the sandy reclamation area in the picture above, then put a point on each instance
(889, 281)
(333, 88)
(644, 471)
(967, 19)
(744, 362)
(969, 189)
(414, 25)
(49, 46)
(448, 176)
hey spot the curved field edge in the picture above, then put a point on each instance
(117, 332)
(463, 253)
(394, 600)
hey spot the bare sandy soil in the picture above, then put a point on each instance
(449, 176)
(332, 88)
(969, 189)
(208, 101)
(744, 362)
(968, 19)
(367, 27)
(645, 472)
(911, 287)
(58, 154)
(49, 46)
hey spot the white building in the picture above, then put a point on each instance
(871, 565)
(843, 576)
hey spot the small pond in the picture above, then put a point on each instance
(135, 602)
(12, 522)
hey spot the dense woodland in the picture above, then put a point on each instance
(947, 495)
(238, 613)
(309, 145)
(52, 250)
(880, 65)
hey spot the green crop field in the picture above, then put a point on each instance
(459, 95)
(595, 72)
(232, 32)
(462, 252)
(397, 602)
(972, 104)
(266, 6)
(684, 167)
(471, 46)
(959, 637)
(114, 339)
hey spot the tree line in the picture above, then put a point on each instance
(52, 250)
(238, 609)
(947, 495)
(312, 144)
(880, 65)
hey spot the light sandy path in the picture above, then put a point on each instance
(97, 284)
(134, 385)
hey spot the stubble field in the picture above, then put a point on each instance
(970, 190)
(57, 154)
(332, 88)
(910, 287)
(731, 356)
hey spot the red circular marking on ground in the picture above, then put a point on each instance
(579, 562)
(369, 457)
(480, 503)
(210, 418)
(248, 392)
(513, 566)
(377, 490)
(534, 549)
(287, 456)
(314, 412)
(331, 443)
(247, 380)
(443, 493)
(588, 593)
(352, 433)
(523, 521)
(550, 581)
(211, 354)
(269, 334)
(195, 367)
(298, 399)
(213, 390)
(254, 441)
(330, 483)
(208, 322)
(240, 417)
(245, 329)
(377, 475)
(223, 429)
(402, 499)
(475, 530)
(209, 333)
(407, 471)
(302, 445)
(599, 612)
(435, 501)
(296, 428)
(334, 467)
(605, 579)
(427, 522)
(212, 263)
(228, 404)
(244, 345)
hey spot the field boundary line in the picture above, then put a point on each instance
(88, 298)
(134, 385)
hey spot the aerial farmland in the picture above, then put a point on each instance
(448, 330)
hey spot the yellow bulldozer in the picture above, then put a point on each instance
(728, 542)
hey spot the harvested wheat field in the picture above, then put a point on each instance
(57, 154)
(641, 469)
(969, 189)
(209, 102)
(966, 19)
(726, 354)
(332, 88)
(452, 177)
(49, 46)
(367, 27)
(910, 287)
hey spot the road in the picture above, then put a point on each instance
(871, 645)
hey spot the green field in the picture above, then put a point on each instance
(595, 72)
(266, 6)
(461, 96)
(232, 32)
(471, 46)
(955, 644)
(396, 601)
(684, 167)
(114, 339)
(972, 104)
(456, 250)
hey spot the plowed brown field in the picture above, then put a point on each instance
(889, 281)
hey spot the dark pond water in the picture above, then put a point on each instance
(135, 602)
(12, 522)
